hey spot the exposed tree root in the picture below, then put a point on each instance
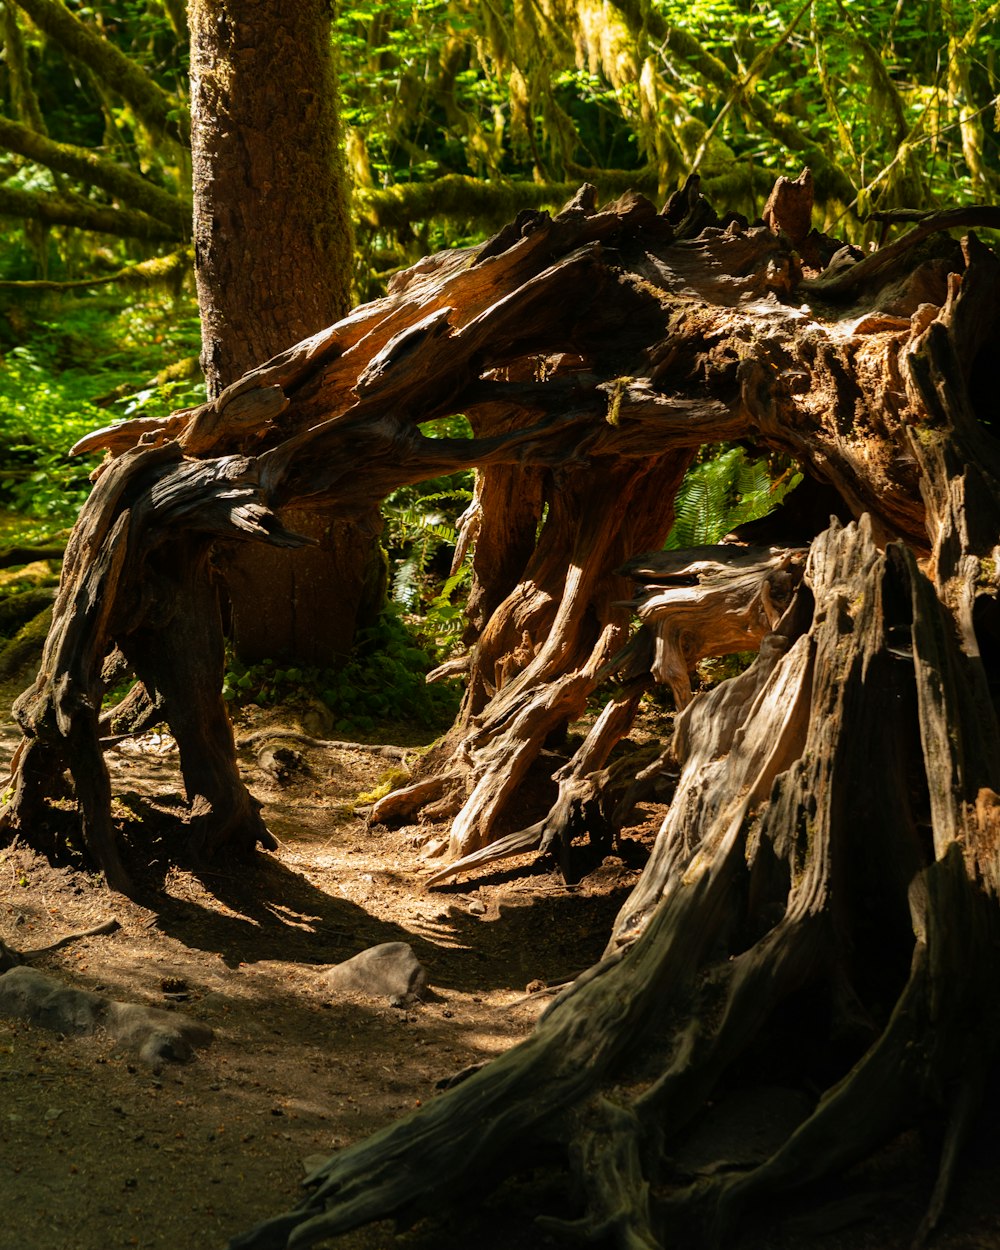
(760, 886)
(833, 836)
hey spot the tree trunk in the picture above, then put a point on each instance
(273, 262)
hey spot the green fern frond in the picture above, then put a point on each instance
(724, 490)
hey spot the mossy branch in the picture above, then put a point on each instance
(24, 101)
(160, 269)
(459, 196)
(455, 196)
(61, 210)
(160, 111)
(89, 167)
(830, 180)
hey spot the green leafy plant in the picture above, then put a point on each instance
(725, 489)
(420, 535)
(50, 387)
(381, 681)
(423, 528)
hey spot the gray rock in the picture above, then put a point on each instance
(150, 1032)
(390, 970)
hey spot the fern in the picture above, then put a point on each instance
(418, 528)
(724, 490)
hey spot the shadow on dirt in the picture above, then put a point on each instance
(533, 928)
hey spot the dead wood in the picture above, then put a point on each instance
(759, 887)
(831, 842)
(706, 602)
(10, 958)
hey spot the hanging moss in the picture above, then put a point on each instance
(456, 196)
(160, 111)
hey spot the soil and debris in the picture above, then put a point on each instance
(100, 1149)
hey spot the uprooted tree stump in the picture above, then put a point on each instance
(832, 840)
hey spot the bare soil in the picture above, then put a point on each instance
(98, 1150)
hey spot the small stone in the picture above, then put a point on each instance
(476, 908)
(390, 970)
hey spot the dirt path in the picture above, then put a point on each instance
(96, 1150)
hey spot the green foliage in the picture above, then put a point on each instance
(420, 535)
(719, 668)
(42, 415)
(892, 105)
(421, 527)
(726, 489)
(381, 681)
(70, 354)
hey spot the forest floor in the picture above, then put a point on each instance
(97, 1150)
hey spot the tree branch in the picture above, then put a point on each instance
(88, 167)
(164, 269)
(61, 210)
(160, 111)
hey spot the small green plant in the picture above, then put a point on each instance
(725, 489)
(381, 681)
(422, 528)
(421, 531)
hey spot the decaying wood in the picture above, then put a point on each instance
(758, 891)
(693, 604)
(832, 845)
(707, 602)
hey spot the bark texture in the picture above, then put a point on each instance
(831, 852)
(273, 263)
(272, 232)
